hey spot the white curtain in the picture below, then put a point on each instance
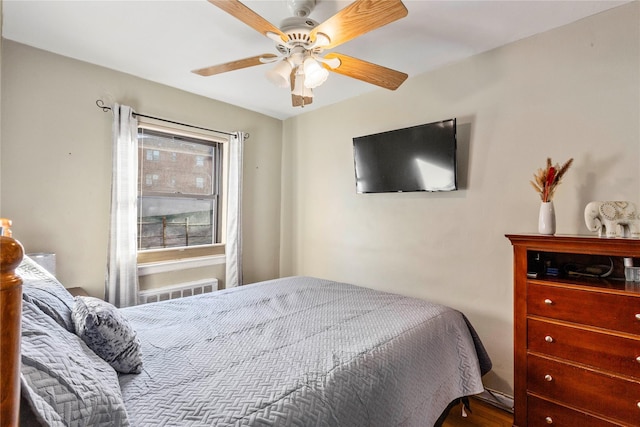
(121, 287)
(233, 246)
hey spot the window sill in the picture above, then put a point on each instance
(179, 264)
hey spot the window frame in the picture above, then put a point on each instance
(149, 257)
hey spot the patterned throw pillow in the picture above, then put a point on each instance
(108, 333)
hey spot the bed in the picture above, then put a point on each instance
(296, 351)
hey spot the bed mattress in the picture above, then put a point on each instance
(300, 351)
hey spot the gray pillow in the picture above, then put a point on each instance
(108, 333)
(44, 290)
(63, 381)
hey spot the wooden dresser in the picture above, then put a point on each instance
(577, 337)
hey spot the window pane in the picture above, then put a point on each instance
(177, 164)
(178, 194)
(169, 222)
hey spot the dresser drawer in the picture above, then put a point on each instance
(601, 309)
(541, 412)
(585, 389)
(601, 350)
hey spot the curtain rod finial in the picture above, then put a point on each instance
(100, 103)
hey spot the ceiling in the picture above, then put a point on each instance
(163, 41)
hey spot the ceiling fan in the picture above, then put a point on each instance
(301, 42)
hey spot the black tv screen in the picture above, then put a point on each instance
(418, 158)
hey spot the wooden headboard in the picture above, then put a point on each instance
(11, 253)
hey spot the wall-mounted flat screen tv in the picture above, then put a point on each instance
(418, 158)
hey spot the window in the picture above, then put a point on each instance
(153, 155)
(179, 200)
(150, 179)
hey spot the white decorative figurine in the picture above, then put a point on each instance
(613, 219)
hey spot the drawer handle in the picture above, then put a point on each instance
(547, 301)
(549, 420)
(638, 359)
(549, 338)
(638, 316)
(548, 377)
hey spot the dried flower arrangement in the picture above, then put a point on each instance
(546, 180)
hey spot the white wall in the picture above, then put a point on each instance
(571, 92)
(56, 161)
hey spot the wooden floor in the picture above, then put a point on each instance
(482, 415)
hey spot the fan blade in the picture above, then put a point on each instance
(366, 71)
(233, 65)
(249, 17)
(359, 18)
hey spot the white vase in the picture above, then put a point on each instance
(547, 219)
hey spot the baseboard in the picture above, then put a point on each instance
(497, 399)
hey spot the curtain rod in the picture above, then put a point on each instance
(100, 103)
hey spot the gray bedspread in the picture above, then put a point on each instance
(299, 352)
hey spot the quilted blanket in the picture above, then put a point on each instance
(299, 351)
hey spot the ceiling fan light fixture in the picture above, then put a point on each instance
(301, 40)
(279, 75)
(314, 73)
